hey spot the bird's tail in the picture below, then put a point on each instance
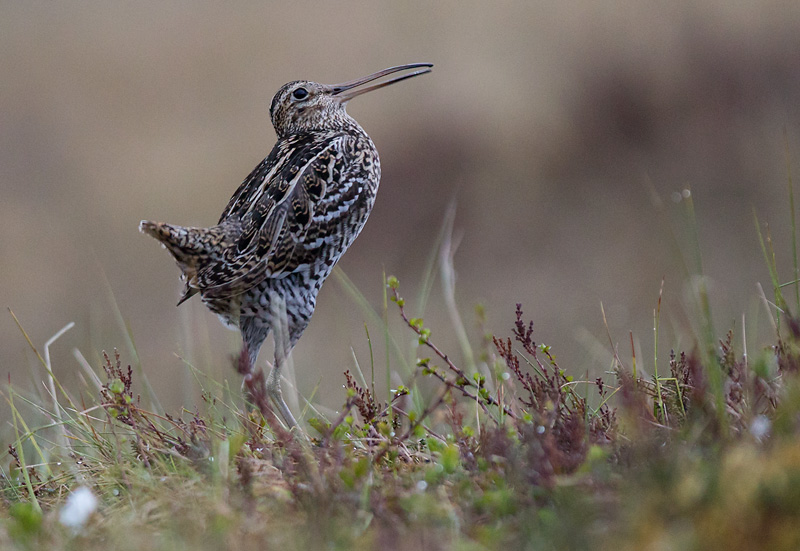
(185, 244)
(191, 247)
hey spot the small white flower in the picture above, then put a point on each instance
(760, 427)
(80, 505)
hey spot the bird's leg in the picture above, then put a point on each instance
(281, 333)
(253, 335)
(253, 380)
(244, 366)
(274, 383)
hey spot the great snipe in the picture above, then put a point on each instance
(261, 267)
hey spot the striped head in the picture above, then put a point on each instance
(305, 106)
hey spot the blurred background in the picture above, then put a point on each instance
(564, 132)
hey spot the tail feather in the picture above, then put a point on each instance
(192, 248)
(185, 244)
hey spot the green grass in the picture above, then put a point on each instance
(509, 451)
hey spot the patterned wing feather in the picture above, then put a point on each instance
(277, 206)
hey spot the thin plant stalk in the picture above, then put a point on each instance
(790, 186)
(656, 318)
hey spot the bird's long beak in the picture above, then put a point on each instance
(348, 90)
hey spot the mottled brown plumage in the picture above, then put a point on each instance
(261, 267)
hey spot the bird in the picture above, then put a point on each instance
(262, 265)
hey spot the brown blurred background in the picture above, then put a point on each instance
(562, 130)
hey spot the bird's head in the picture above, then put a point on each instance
(305, 106)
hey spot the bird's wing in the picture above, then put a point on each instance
(277, 205)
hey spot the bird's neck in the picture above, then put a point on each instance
(323, 123)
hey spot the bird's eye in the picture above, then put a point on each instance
(300, 93)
